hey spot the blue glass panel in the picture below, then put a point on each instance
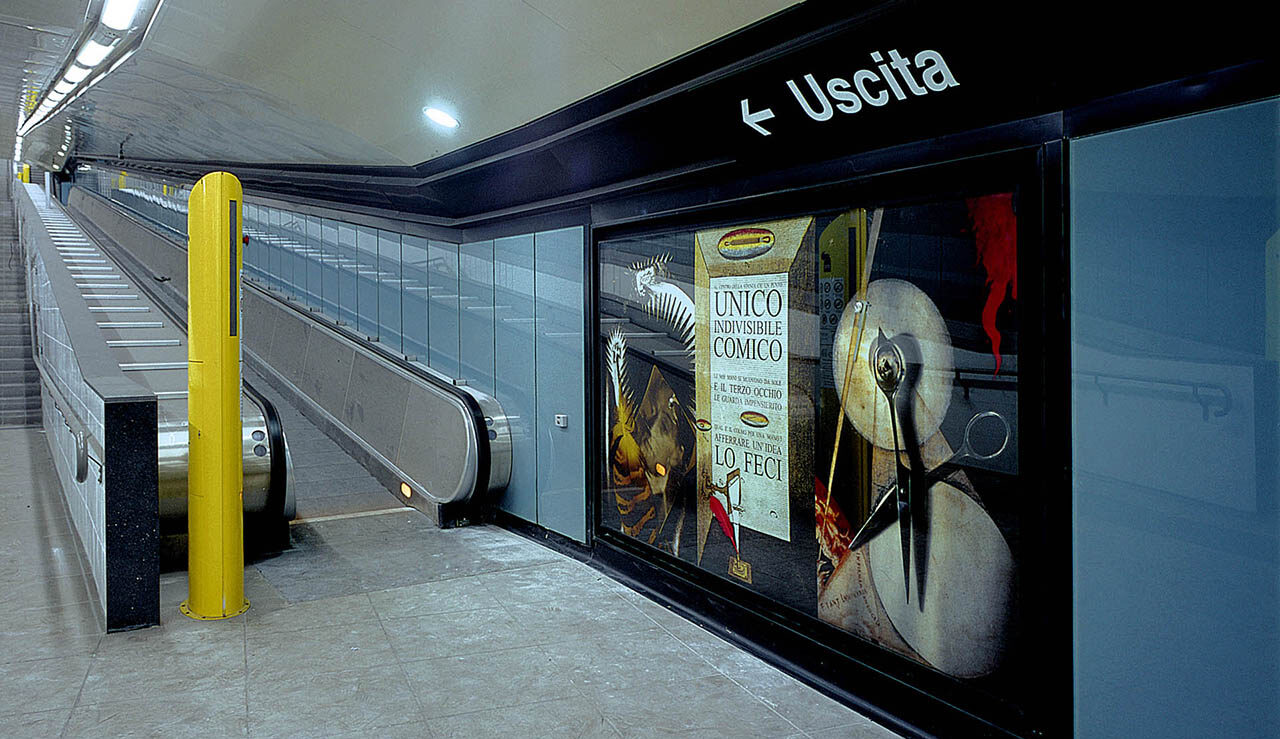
(413, 309)
(514, 368)
(253, 249)
(475, 315)
(1175, 295)
(442, 287)
(389, 285)
(347, 265)
(315, 276)
(561, 389)
(275, 270)
(292, 242)
(367, 280)
(329, 268)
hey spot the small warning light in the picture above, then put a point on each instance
(405, 490)
(661, 469)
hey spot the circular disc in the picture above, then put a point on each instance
(959, 624)
(900, 309)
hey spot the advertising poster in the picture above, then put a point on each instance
(823, 409)
(756, 330)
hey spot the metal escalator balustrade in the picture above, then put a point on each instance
(151, 349)
(448, 441)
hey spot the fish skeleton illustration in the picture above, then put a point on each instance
(665, 300)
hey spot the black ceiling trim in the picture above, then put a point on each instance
(673, 124)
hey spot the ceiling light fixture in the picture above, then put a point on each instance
(92, 53)
(440, 117)
(76, 73)
(83, 67)
(118, 14)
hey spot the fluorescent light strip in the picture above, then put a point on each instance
(118, 14)
(92, 53)
(76, 73)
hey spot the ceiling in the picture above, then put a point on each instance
(33, 41)
(345, 81)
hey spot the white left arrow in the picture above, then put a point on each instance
(754, 119)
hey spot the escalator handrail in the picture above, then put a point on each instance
(177, 239)
(277, 489)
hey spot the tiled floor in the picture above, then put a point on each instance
(376, 625)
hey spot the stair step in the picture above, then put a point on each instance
(19, 405)
(17, 389)
(20, 376)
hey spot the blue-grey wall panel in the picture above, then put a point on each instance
(558, 286)
(315, 274)
(1175, 295)
(329, 268)
(389, 284)
(475, 316)
(347, 272)
(514, 368)
(367, 280)
(442, 287)
(414, 308)
(275, 269)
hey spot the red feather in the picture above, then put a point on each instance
(995, 231)
(717, 509)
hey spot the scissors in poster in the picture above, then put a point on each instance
(890, 368)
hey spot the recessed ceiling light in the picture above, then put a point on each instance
(63, 87)
(440, 117)
(118, 14)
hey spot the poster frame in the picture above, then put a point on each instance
(1036, 172)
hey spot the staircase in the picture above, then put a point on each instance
(19, 380)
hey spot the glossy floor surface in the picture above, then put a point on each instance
(372, 625)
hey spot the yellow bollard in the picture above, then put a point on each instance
(215, 495)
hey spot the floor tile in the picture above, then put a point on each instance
(317, 650)
(455, 632)
(38, 725)
(303, 704)
(58, 592)
(599, 613)
(627, 660)
(416, 729)
(350, 609)
(803, 706)
(42, 685)
(711, 707)
(571, 718)
(162, 662)
(539, 583)
(474, 682)
(442, 596)
(863, 729)
(24, 645)
(207, 713)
